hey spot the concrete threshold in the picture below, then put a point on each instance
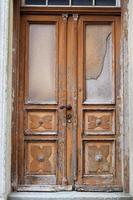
(68, 196)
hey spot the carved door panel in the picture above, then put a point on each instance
(42, 124)
(99, 155)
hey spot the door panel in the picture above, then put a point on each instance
(42, 124)
(98, 122)
(41, 162)
(99, 156)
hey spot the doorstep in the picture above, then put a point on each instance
(68, 196)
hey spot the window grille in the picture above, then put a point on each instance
(72, 3)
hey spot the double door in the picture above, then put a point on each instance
(69, 134)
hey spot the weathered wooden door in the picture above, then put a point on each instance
(69, 103)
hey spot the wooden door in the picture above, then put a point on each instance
(69, 103)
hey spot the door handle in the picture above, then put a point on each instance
(67, 107)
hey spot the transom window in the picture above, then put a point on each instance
(115, 3)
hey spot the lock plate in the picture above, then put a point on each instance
(69, 118)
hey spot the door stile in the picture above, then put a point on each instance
(63, 101)
(119, 101)
(74, 130)
(21, 106)
(80, 99)
(72, 98)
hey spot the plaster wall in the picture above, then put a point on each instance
(5, 96)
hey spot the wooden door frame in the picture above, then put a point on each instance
(17, 11)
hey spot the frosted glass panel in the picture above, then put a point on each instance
(98, 64)
(42, 62)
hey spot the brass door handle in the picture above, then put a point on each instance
(67, 107)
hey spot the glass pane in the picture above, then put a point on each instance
(82, 2)
(98, 64)
(58, 2)
(42, 62)
(35, 2)
(105, 2)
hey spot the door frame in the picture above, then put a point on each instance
(15, 75)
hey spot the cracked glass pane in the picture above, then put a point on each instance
(98, 63)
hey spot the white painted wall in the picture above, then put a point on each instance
(5, 96)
